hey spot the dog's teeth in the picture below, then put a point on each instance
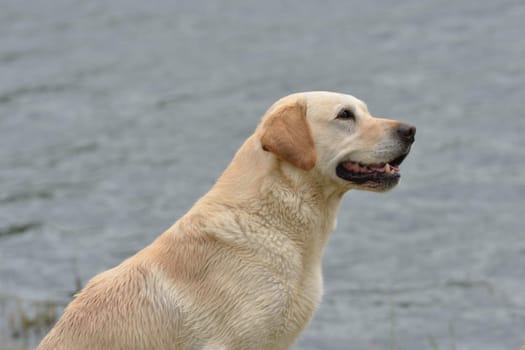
(387, 168)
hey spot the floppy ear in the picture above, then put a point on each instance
(286, 134)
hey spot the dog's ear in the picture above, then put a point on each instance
(286, 134)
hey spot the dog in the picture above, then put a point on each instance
(242, 269)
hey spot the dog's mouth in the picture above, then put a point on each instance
(379, 174)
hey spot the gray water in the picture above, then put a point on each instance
(116, 116)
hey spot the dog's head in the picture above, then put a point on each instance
(334, 135)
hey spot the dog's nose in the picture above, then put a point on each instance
(406, 132)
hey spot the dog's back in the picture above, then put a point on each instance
(207, 295)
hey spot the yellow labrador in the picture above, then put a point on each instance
(242, 269)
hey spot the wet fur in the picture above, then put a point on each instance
(242, 269)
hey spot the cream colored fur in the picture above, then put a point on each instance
(242, 269)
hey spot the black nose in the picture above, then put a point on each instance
(406, 132)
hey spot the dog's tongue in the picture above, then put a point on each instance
(356, 168)
(352, 166)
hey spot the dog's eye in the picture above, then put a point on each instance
(346, 114)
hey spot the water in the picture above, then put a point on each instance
(115, 117)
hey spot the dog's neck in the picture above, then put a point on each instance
(276, 196)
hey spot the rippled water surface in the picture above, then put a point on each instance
(116, 116)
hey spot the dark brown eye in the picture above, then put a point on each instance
(346, 114)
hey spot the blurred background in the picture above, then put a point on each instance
(116, 116)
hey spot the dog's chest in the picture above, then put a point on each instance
(298, 307)
(276, 312)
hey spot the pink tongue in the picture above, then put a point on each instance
(359, 169)
(381, 169)
(356, 168)
(352, 167)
